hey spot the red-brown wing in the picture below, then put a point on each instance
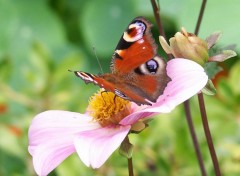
(122, 88)
(135, 47)
(90, 78)
(142, 87)
(146, 83)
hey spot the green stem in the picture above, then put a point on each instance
(194, 137)
(202, 106)
(130, 167)
(156, 11)
(186, 103)
(208, 135)
(200, 16)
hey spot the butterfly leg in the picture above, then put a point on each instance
(103, 96)
(114, 99)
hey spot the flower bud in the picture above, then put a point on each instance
(186, 45)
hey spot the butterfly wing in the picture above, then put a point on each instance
(113, 83)
(147, 81)
(141, 86)
(135, 47)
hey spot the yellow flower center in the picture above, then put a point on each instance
(107, 108)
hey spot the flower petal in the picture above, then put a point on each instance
(94, 147)
(188, 78)
(51, 137)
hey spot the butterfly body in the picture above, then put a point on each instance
(137, 73)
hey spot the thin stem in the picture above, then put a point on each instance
(194, 137)
(186, 103)
(208, 134)
(202, 106)
(130, 167)
(156, 11)
(200, 17)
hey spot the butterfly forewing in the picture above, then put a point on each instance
(135, 47)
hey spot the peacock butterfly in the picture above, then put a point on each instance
(137, 73)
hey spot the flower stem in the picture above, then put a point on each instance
(194, 137)
(200, 16)
(208, 134)
(202, 106)
(156, 11)
(186, 103)
(130, 167)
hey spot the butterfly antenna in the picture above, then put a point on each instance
(94, 50)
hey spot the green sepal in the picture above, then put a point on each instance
(209, 89)
(224, 55)
(126, 148)
(213, 39)
(212, 69)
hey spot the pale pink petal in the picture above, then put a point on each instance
(51, 137)
(188, 78)
(94, 147)
(48, 156)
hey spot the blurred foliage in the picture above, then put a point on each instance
(41, 40)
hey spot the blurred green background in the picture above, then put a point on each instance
(41, 40)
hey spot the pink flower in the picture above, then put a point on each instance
(55, 134)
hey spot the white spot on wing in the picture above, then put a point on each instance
(140, 41)
(150, 102)
(86, 77)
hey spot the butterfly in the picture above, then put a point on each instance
(138, 74)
